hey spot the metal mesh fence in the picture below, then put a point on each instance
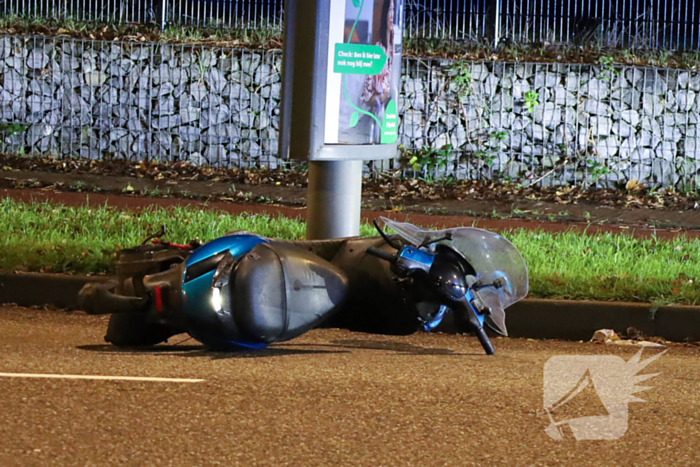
(101, 100)
(552, 124)
(100, 11)
(662, 24)
(449, 19)
(239, 14)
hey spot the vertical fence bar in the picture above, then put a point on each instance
(497, 23)
(521, 17)
(696, 40)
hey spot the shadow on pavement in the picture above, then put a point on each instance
(107, 348)
(401, 347)
(391, 346)
(261, 353)
(202, 351)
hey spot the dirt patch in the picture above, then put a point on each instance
(135, 202)
(637, 207)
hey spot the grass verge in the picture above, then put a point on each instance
(53, 238)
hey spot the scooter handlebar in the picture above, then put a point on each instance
(381, 254)
(484, 340)
(466, 317)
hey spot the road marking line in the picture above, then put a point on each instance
(109, 378)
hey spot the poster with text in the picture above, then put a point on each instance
(365, 72)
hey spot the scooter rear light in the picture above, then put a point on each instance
(157, 241)
(159, 299)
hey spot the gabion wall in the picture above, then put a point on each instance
(139, 101)
(556, 123)
(563, 124)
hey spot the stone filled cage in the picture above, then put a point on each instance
(554, 124)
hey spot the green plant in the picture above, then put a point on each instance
(608, 69)
(428, 159)
(448, 181)
(201, 68)
(531, 98)
(79, 185)
(490, 152)
(487, 156)
(597, 168)
(462, 78)
(11, 129)
(606, 61)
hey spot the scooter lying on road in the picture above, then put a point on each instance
(246, 291)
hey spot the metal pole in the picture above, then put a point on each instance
(334, 199)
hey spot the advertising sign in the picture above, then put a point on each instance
(364, 72)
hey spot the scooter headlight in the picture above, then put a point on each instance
(216, 300)
(220, 285)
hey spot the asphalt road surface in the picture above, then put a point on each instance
(328, 398)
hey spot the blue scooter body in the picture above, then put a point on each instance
(202, 320)
(247, 291)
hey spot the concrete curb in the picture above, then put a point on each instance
(579, 319)
(39, 289)
(533, 318)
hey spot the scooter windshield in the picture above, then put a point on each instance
(491, 255)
